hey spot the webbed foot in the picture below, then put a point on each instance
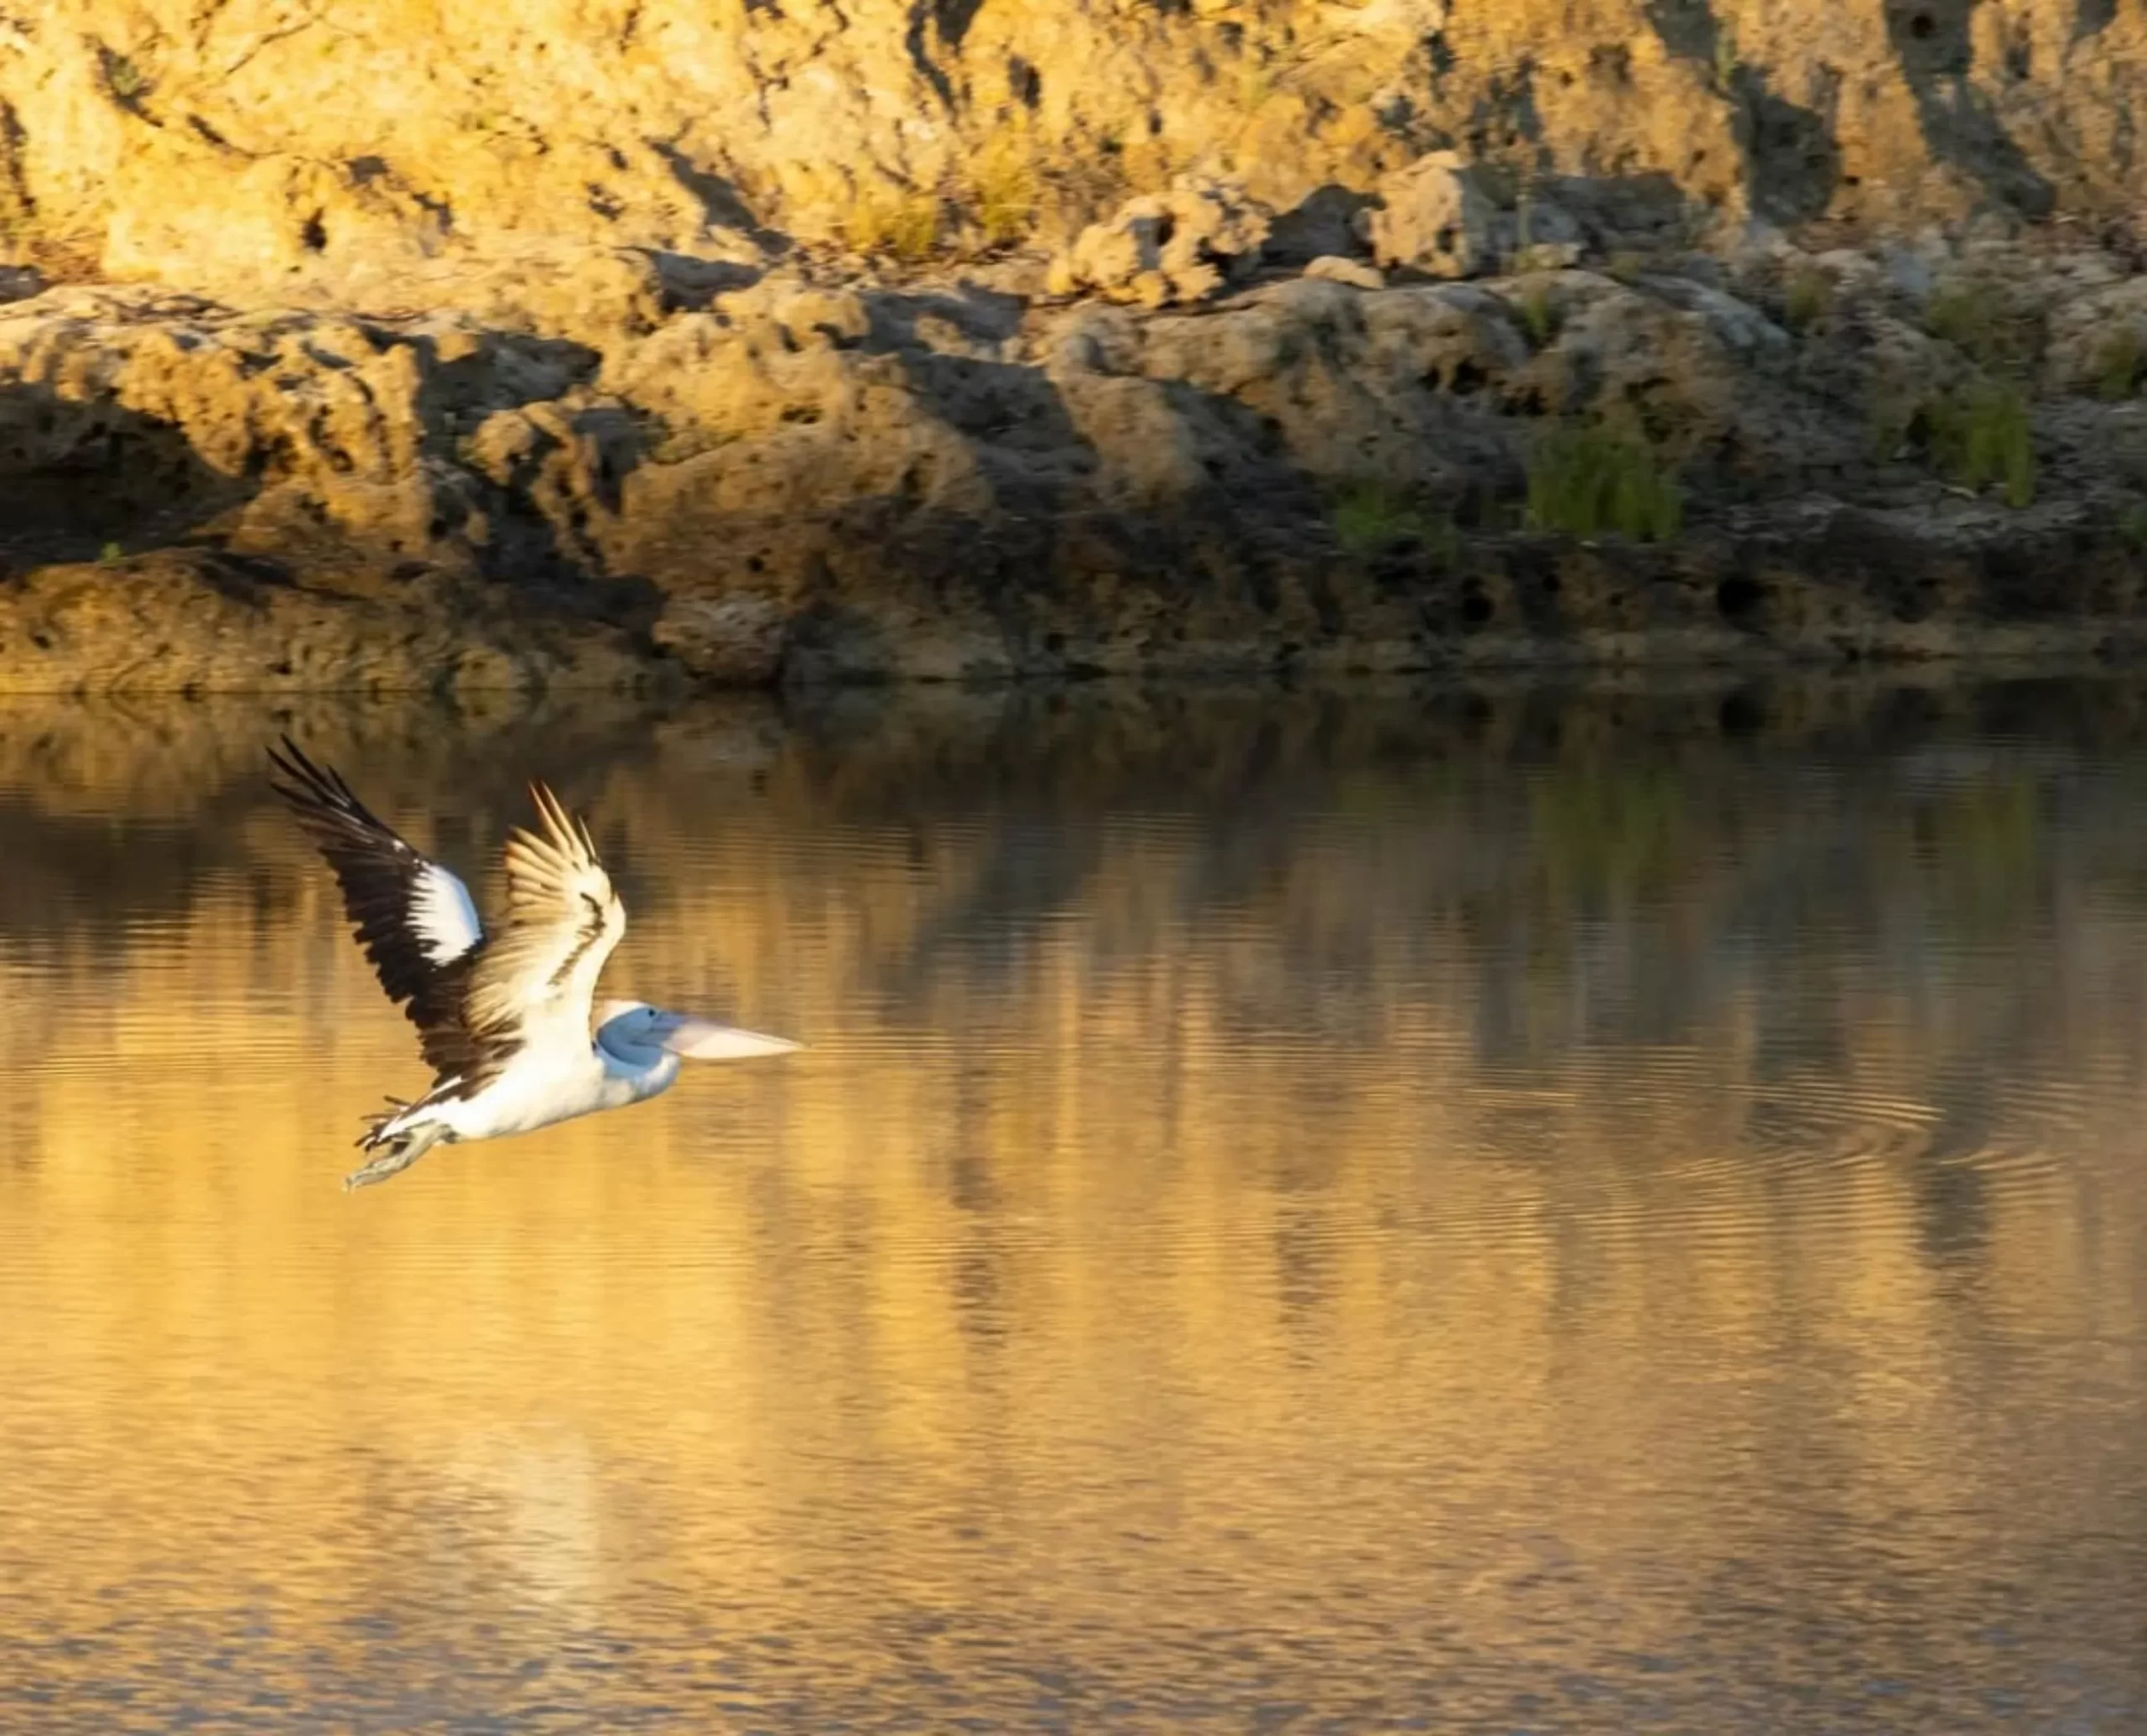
(393, 1162)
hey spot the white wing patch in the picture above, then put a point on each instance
(442, 916)
(538, 975)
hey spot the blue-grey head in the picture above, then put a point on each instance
(626, 1027)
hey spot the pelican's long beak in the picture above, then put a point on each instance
(705, 1040)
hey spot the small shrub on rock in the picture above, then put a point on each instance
(1005, 190)
(1984, 322)
(2122, 365)
(891, 222)
(1370, 517)
(1590, 479)
(1981, 434)
(1539, 314)
(1807, 299)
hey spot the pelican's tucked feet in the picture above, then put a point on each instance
(388, 1163)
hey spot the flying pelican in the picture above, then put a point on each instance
(502, 1018)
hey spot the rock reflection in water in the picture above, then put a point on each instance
(1501, 1208)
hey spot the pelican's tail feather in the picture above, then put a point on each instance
(380, 1126)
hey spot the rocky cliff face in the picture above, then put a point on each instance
(801, 480)
(618, 339)
(377, 152)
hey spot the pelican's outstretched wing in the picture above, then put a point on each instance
(412, 916)
(533, 983)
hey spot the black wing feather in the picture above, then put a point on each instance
(381, 879)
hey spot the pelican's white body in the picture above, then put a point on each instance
(636, 1054)
(544, 1086)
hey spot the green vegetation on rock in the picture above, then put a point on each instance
(1005, 190)
(1369, 517)
(904, 226)
(1981, 434)
(1590, 479)
(2123, 363)
(1984, 322)
(1806, 299)
(1539, 318)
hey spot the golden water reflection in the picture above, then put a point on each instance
(1508, 1209)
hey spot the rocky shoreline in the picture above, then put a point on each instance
(1454, 425)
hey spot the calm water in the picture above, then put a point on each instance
(1511, 1212)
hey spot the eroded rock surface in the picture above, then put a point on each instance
(753, 340)
(808, 475)
(1184, 246)
(563, 154)
(202, 620)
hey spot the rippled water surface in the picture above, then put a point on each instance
(1504, 1211)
